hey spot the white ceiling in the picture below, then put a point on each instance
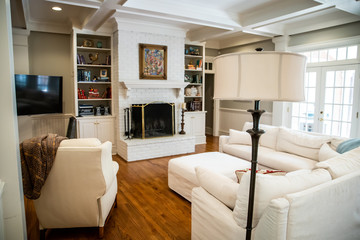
(220, 21)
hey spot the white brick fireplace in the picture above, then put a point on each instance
(132, 90)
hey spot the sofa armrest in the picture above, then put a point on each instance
(273, 222)
(336, 203)
(222, 141)
(211, 219)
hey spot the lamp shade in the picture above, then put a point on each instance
(273, 76)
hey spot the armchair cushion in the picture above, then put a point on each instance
(269, 187)
(81, 142)
(220, 186)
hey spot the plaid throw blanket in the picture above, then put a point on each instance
(37, 158)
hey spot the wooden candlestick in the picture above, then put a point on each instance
(182, 121)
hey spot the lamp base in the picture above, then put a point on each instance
(255, 134)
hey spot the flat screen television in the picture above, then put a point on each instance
(38, 94)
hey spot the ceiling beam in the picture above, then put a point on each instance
(79, 3)
(104, 13)
(176, 18)
(282, 11)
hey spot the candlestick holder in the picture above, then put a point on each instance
(182, 122)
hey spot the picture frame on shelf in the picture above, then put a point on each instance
(103, 72)
(152, 61)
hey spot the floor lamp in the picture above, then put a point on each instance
(269, 76)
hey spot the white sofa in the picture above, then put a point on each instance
(307, 204)
(280, 148)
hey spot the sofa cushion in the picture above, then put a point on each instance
(284, 161)
(239, 137)
(300, 143)
(268, 139)
(342, 164)
(241, 172)
(81, 142)
(244, 151)
(221, 187)
(348, 145)
(269, 187)
(326, 152)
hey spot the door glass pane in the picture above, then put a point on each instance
(338, 96)
(329, 95)
(330, 76)
(348, 95)
(311, 95)
(328, 111)
(312, 79)
(349, 78)
(327, 127)
(335, 128)
(339, 80)
(295, 109)
(347, 112)
(337, 112)
(345, 129)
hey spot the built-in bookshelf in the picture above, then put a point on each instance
(194, 92)
(194, 75)
(93, 75)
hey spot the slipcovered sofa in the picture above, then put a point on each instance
(323, 203)
(280, 148)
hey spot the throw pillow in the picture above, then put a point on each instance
(240, 173)
(239, 137)
(268, 139)
(348, 145)
(220, 186)
(326, 152)
(270, 187)
(342, 164)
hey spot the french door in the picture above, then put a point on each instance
(331, 101)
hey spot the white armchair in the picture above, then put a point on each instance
(81, 188)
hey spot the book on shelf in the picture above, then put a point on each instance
(108, 60)
(80, 59)
(83, 75)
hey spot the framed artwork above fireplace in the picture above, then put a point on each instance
(152, 62)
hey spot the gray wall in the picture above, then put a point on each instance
(50, 54)
(267, 45)
(324, 35)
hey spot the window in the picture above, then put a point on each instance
(331, 93)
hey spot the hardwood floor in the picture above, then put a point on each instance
(147, 208)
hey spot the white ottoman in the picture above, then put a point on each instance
(181, 171)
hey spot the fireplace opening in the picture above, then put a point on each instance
(152, 120)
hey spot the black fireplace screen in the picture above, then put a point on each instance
(152, 120)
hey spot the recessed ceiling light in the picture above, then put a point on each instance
(56, 8)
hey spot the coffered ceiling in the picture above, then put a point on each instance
(204, 20)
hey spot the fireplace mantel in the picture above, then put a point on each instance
(128, 85)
